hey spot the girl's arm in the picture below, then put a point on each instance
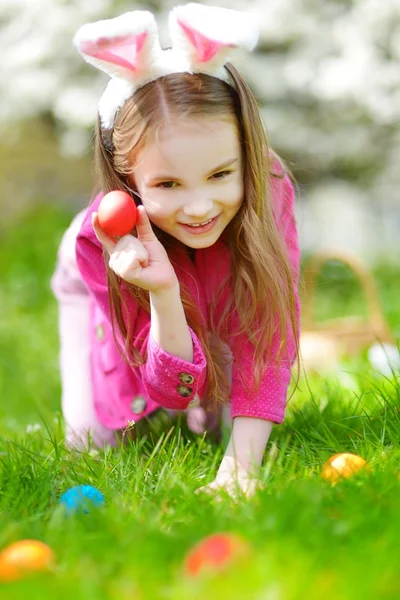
(246, 446)
(171, 378)
(169, 328)
(241, 464)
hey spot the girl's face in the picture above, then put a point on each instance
(190, 178)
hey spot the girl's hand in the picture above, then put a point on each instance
(233, 479)
(235, 486)
(142, 261)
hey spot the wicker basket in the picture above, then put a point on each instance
(323, 344)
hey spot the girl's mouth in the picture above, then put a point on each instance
(204, 227)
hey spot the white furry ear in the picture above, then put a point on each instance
(210, 35)
(123, 47)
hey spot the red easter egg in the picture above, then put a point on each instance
(215, 553)
(117, 213)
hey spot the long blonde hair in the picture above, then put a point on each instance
(261, 278)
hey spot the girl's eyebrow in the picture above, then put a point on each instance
(166, 177)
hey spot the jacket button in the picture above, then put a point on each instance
(184, 391)
(100, 333)
(138, 405)
(186, 378)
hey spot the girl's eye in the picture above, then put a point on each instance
(169, 185)
(221, 174)
(166, 185)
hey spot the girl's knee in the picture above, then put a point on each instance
(85, 437)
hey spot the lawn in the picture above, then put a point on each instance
(310, 540)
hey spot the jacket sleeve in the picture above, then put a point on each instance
(168, 380)
(270, 401)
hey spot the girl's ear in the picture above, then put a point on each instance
(208, 35)
(122, 47)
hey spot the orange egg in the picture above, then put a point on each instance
(24, 557)
(216, 552)
(342, 465)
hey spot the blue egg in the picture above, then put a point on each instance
(82, 498)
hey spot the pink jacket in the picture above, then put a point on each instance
(122, 393)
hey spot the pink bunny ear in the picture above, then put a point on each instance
(208, 35)
(205, 48)
(119, 51)
(122, 47)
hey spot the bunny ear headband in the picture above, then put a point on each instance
(127, 48)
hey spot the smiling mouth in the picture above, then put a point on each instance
(199, 224)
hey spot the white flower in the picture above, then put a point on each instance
(32, 427)
(385, 358)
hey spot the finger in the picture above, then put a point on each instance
(206, 489)
(210, 488)
(105, 240)
(130, 248)
(119, 266)
(144, 229)
(127, 261)
(131, 274)
(210, 491)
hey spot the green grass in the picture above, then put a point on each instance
(311, 540)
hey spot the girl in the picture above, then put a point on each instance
(197, 308)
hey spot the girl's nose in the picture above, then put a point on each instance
(198, 207)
